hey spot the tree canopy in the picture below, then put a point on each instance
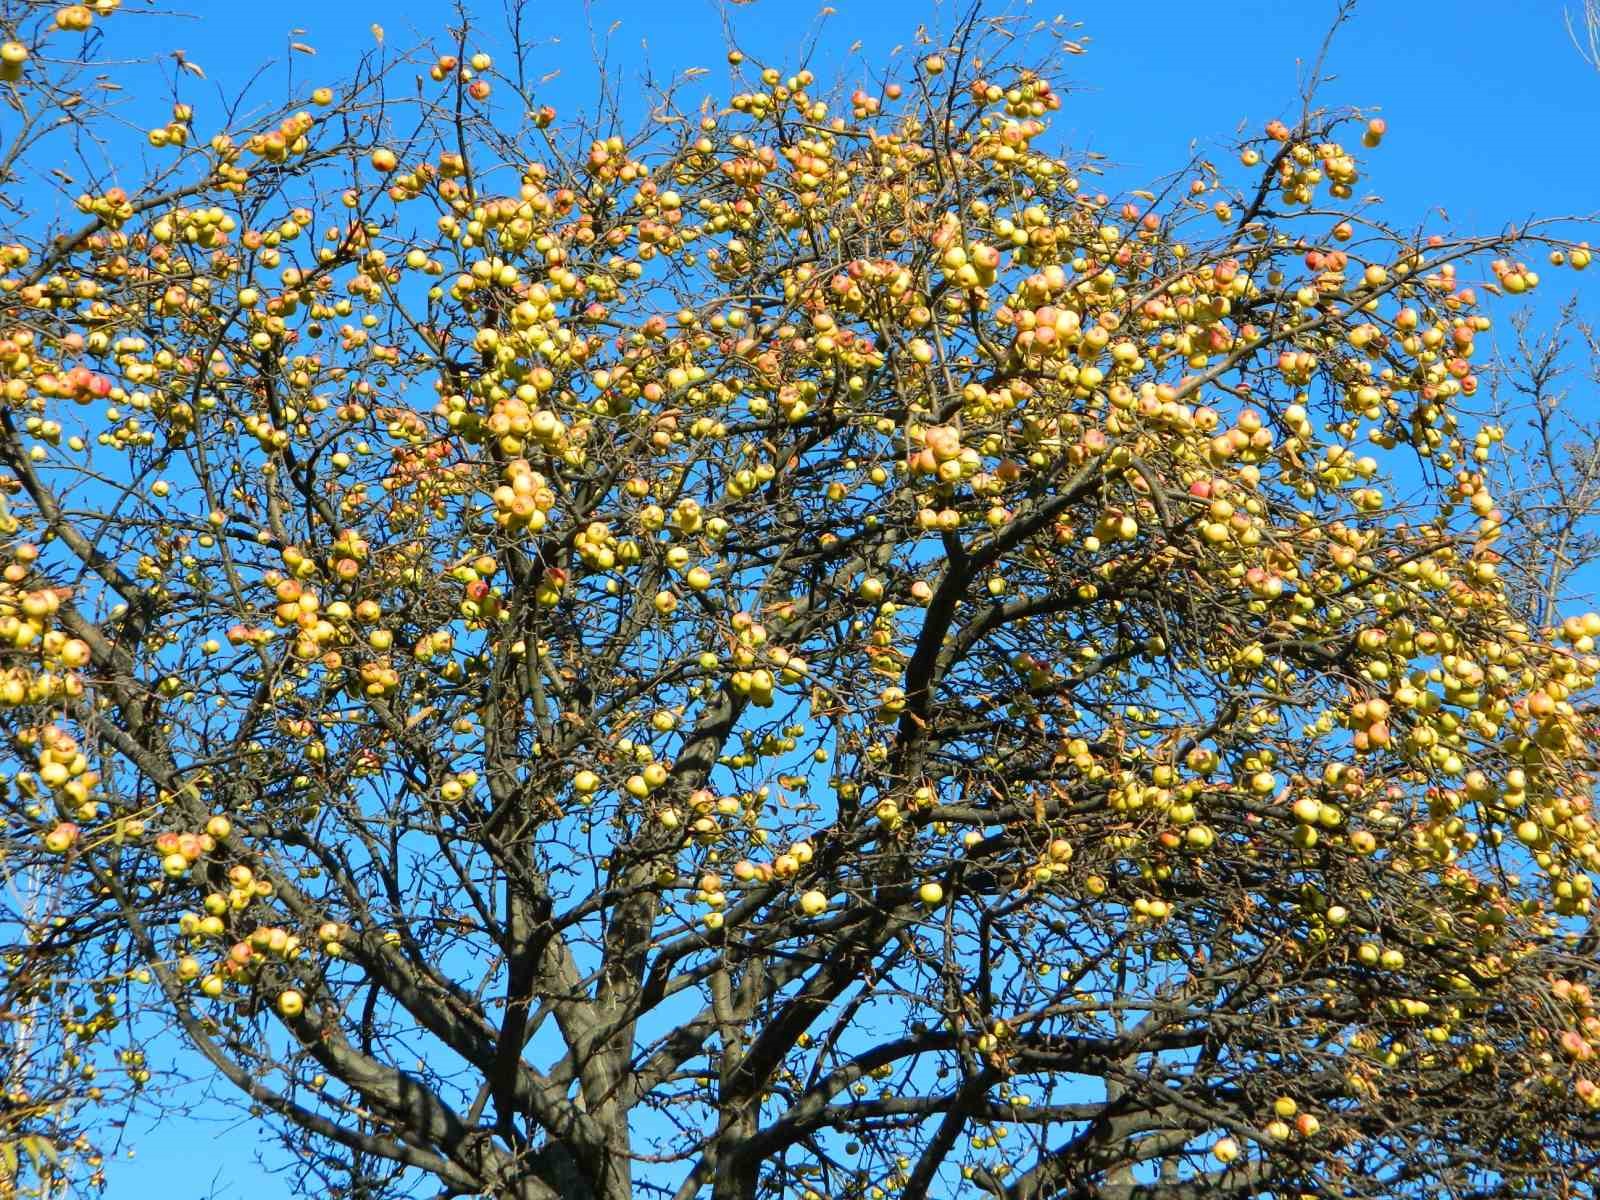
(800, 651)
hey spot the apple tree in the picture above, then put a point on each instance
(803, 650)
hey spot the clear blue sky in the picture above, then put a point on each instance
(1490, 108)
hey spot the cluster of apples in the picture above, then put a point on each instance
(972, 265)
(289, 140)
(524, 501)
(180, 851)
(942, 455)
(176, 131)
(1514, 277)
(207, 228)
(245, 888)
(518, 425)
(52, 657)
(79, 18)
(79, 384)
(112, 206)
(449, 67)
(1580, 1041)
(242, 963)
(864, 283)
(61, 770)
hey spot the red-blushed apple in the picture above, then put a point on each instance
(61, 838)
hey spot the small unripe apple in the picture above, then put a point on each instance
(1226, 1150)
(291, 1003)
(930, 893)
(813, 903)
